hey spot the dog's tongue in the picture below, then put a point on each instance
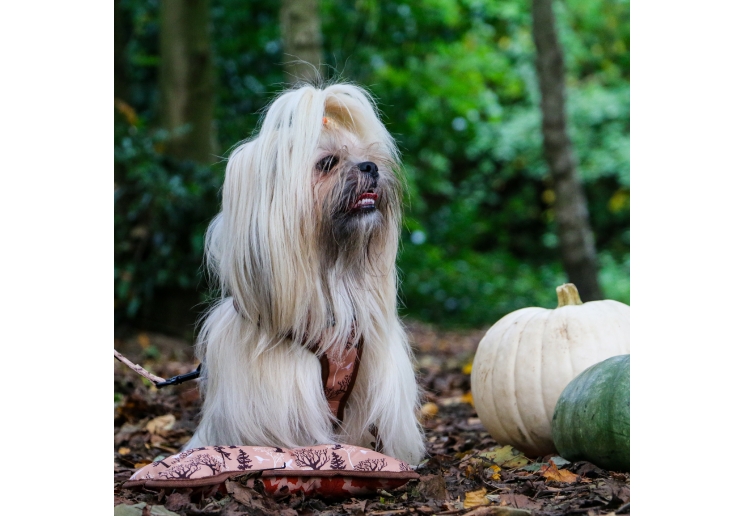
(365, 200)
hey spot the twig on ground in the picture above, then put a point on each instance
(137, 368)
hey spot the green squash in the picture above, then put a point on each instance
(592, 417)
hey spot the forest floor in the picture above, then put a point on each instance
(467, 472)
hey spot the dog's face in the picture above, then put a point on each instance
(311, 212)
(355, 190)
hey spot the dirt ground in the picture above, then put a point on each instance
(467, 472)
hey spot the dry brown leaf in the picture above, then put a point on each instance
(161, 424)
(476, 498)
(519, 501)
(355, 506)
(178, 500)
(552, 474)
(433, 486)
(124, 450)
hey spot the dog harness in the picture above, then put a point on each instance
(338, 375)
(338, 372)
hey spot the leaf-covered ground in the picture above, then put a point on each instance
(467, 472)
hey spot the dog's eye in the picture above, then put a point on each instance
(326, 164)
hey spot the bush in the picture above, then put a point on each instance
(161, 211)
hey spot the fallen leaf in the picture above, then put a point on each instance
(553, 474)
(126, 432)
(467, 368)
(129, 510)
(161, 424)
(535, 466)
(355, 507)
(560, 461)
(456, 505)
(587, 469)
(179, 500)
(519, 501)
(160, 510)
(433, 486)
(429, 410)
(504, 456)
(245, 495)
(124, 450)
(476, 498)
(495, 475)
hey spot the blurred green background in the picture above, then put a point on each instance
(457, 86)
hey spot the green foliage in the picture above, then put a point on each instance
(161, 211)
(456, 84)
(471, 288)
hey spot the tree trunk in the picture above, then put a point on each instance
(187, 79)
(575, 236)
(302, 40)
(187, 91)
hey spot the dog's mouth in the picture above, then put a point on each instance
(366, 202)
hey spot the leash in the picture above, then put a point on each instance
(338, 373)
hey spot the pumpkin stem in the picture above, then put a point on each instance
(568, 294)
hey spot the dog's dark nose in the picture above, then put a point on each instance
(367, 167)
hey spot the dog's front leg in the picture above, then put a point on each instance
(258, 392)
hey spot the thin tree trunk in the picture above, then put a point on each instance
(575, 235)
(187, 79)
(302, 40)
(187, 97)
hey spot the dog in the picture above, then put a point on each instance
(304, 345)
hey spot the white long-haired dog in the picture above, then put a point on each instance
(304, 249)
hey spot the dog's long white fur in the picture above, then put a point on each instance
(262, 385)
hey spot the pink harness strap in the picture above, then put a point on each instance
(338, 373)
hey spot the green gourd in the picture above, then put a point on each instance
(592, 417)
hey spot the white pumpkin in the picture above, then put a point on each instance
(529, 356)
